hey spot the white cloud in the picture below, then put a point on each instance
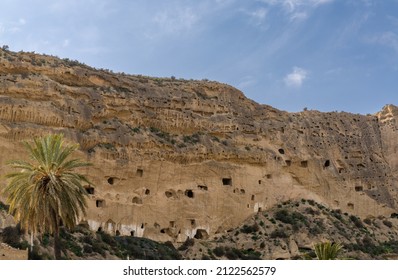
(297, 10)
(258, 16)
(293, 4)
(296, 78)
(65, 43)
(12, 26)
(176, 20)
(299, 16)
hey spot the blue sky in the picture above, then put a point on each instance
(328, 55)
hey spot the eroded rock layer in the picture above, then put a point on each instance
(176, 159)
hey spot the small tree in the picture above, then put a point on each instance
(46, 193)
(327, 250)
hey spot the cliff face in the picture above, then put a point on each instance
(175, 158)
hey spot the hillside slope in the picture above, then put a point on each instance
(175, 158)
(291, 229)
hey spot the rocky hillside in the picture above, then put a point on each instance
(174, 159)
(291, 229)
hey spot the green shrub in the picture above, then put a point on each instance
(231, 254)
(296, 219)
(250, 254)
(357, 222)
(107, 238)
(387, 223)
(283, 216)
(87, 249)
(215, 138)
(188, 243)
(97, 247)
(311, 211)
(219, 251)
(337, 214)
(136, 129)
(278, 233)
(249, 229)
(192, 139)
(45, 239)
(75, 248)
(13, 236)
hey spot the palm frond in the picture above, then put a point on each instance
(327, 250)
(47, 191)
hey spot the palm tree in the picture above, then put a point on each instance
(327, 250)
(46, 193)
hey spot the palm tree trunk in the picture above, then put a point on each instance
(57, 241)
(57, 245)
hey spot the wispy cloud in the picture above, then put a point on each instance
(176, 20)
(349, 32)
(296, 78)
(258, 16)
(299, 16)
(297, 10)
(388, 39)
(12, 26)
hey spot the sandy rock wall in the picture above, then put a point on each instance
(176, 159)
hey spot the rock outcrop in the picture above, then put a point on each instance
(9, 253)
(174, 158)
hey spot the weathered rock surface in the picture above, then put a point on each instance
(175, 158)
(9, 253)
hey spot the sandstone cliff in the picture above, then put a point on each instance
(176, 158)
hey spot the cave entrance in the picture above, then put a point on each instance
(99, 203)
(227, 181)
(89, 189)
(202, 187)
(189, 193)
(358, 188)
(201, 234)
(111, 180)
(137, 200)
(140, 172)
